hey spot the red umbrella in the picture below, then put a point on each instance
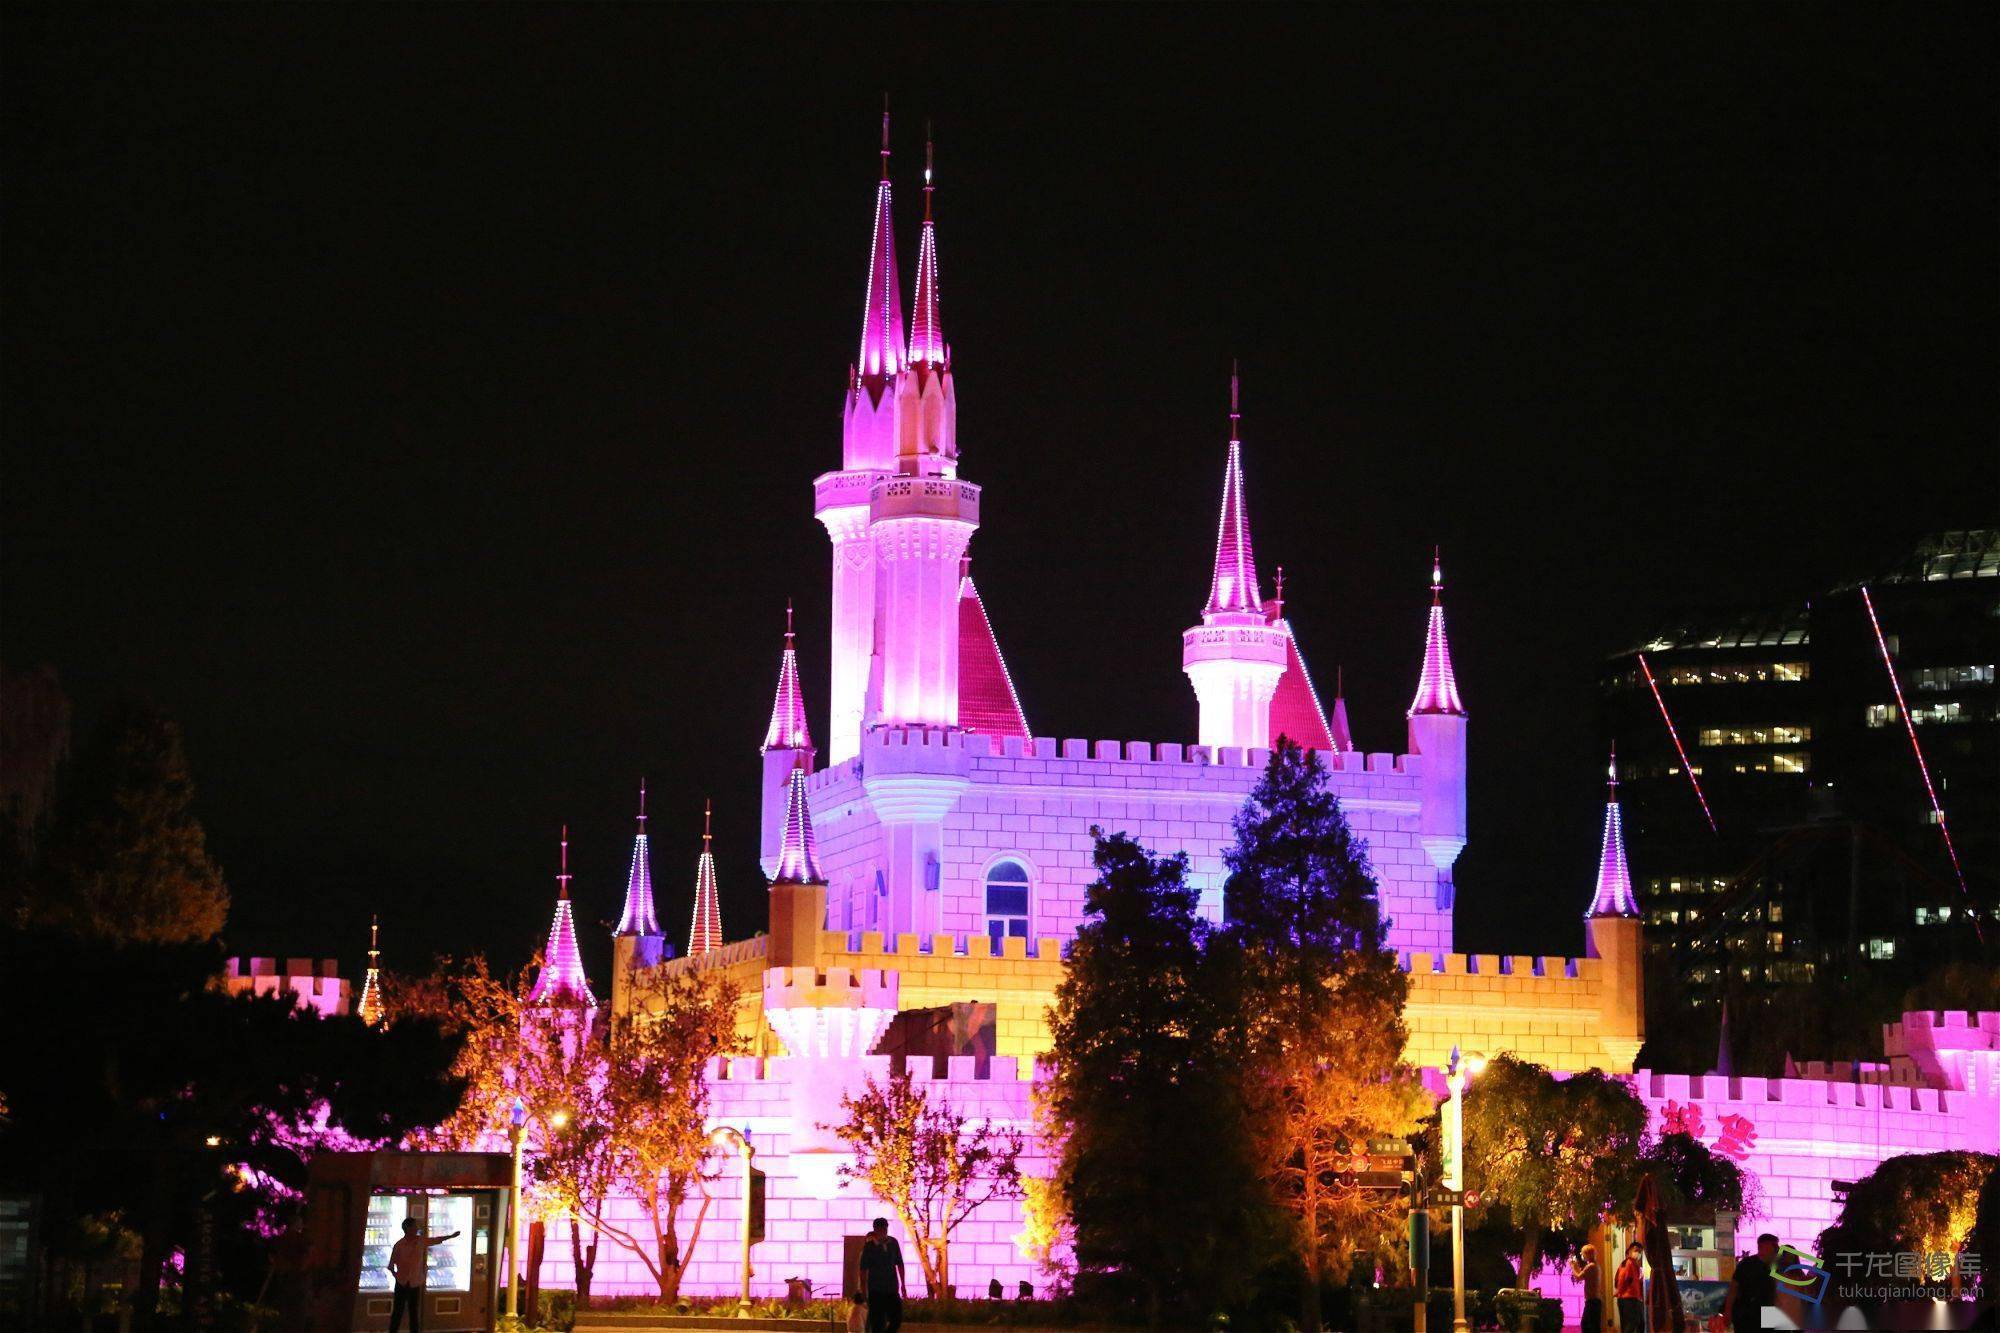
(1663, 1302)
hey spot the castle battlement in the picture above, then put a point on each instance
(817, 987)
(874, 943)
(1798, 1092)
(1006, 1074)
(1540, 967)
(1049, 749)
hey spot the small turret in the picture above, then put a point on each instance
(1612, 936)
(1343, 735)
(1614, 879)
(1437, 733)
(1235, 657)
(788, 745)
(637, 944)
(705, 933)
(370, 1006)
(798, 890)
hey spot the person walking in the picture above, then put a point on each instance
(1628, 1288)
(882, 1279)
(1752, 1287)
(409, 1264)
(1584, 1269)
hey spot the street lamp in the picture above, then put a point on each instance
(742, 1142)
(517, 1121)
(1456, 1075)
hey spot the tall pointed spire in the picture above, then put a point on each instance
(370, 1007)
(798, 858)
(927, 345)
(788, 729)
(705, 935)
(1295, 707)
(562, 979)
(1343, 735)
(1614, 878)
(1437, 688)
(882, 339)
(639, 918)
(1234, 586)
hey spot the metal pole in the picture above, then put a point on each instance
(743, 1306)
(513, 1221)
(1456, 1080)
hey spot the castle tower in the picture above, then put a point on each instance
(798, 890)
(787, 746)
(1295, 708)
(869, 443)
(1343, 735)
(638, 942)
(921, 521)
(561, 981)
(1612, 936)
(705, 933)
(1235, 657)
(1437, 732)
(370, 1006)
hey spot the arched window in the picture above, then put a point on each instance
(1006, 901)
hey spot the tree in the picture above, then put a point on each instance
(125, 859)
(1690, 1176)
(1156, 1167)
(918, 1156)
(1319, 1004)
(572, 1161)
(657, 1098)
(1919, 1203)
(1557, 1154)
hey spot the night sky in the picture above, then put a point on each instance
(422, 404)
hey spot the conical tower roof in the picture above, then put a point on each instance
(798, 853)
(370, 1009)
(1233, 588)
(788, 730)
(1437, 687)
(883, 341)
(1614, 879)
(705, 933)
(562, 980)
(639, 918)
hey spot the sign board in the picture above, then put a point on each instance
(756, 1205)
(1388, 1148)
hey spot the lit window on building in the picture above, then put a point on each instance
(1882, 715)
(1774, 913)
(1880, 950)
(1775, 941)
(1007, 901)
(1775, 735)
(1791, 762)
(1951, 678)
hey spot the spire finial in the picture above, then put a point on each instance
(1614, 770)
(788, 621)
(1437, 575)
(642, 803)
(930, 169)
(885, 135)
(1235, 401)
(374, 938)
(562, 876)
(1279, 596)
(707, 821)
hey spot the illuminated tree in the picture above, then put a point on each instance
(1157, 1166)
(1318, 1012)
(125, 859)
(657, 1102)
(918, 1156)
(1924, 1204)
(1557, 1154)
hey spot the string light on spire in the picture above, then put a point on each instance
(1233, 588)
(562, 979)
(1614, 895)
(639, 917)
(927, 347)
(370, 1009)
(788, 729)
(883, 343)
(1437, 686)
(705, 932)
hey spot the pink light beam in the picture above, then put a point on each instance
(1910, 726)
(1687, 767)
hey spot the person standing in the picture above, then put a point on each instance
(409, 1265)
(1628, 1288)
(882, 1279)
(1752, 1287)
(1584, 1270)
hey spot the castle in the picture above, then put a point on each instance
(928, 867)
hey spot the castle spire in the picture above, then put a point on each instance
(370, 1007)
(788, 729)
(1233, 589)
(1437, 688)
(1614, 878)
(927, 345)
(798, 858)
(639, 917)
(562, 979)
(882, 340)
(705, 935)
(1343, 735)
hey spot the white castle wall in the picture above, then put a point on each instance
(1036, 802)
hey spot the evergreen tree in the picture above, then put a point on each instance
(1318, 1009)
(1155, 1167)
(126, 860)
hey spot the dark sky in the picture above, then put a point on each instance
(421, 404)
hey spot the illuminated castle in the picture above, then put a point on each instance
(929, 866)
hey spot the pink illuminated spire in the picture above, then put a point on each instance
(927, 345)
(798, 856)
(1437, 688)
(788, 711)
(562, 980)
(1234, 587)
(1614, 879)
(882, 340)
(1295, 708)
(987, 703)
(705, 935)
(639, 917)
(1343, 735)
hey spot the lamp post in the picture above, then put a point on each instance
(517, 1128)
(742, 1142)
(1456, 1074)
